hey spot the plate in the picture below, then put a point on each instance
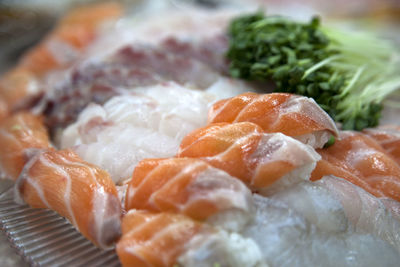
(44, 238)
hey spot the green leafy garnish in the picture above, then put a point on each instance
(330, 142)
(348, 74)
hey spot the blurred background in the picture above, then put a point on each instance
(24, 22)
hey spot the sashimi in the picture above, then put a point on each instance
(388, 136)
(265, 162)
(167, 239)
(21, 135)
(286, 238)
(21, 87)
(191, 187)
(334, 205)
(77, 190)
(359, 159)
(296, 116)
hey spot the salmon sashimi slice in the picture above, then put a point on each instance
(20, 136)
(264, 162)
(77, 190)
(20, 87)
(73, 33)
(359, 159)
(4, 112)
(296, 116)
(191, 187)
(388, 137)
(154, 239)
(169, 239)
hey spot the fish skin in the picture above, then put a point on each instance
(77, 190)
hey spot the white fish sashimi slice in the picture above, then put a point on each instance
(335, 205)
(367, 213)
(221, 249)
(119, 148)
(287, 239)
(149, 123)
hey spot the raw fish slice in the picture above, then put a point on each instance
(4, 112)
(388, 137)
(148, 123)
(297, 242)
(21, 87)
(359, 159)
(98, 80)
(172, 46)
(266, 162)
(167, 239)
(20, 136)
(292, 115)
(154, 239)
(335, 206)
(191, 187)
(190, 32)
(168, 108)
(366, 213)
(77, 190)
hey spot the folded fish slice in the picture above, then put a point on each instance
(191, 187)
(77, 190)
(169, 239)
(265, 162)
(388, 137)
(359, 159)
(20, 86)
(292, 115)
(154, 239)
(20, 135)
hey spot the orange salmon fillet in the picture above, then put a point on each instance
(359, 159)
(154, 239)
(77, 190)
(187, 186)
(289, 114)
(244, 151)
(20, 135)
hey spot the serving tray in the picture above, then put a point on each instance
(44, 238)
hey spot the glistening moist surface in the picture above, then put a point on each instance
(148, 122)
(169, 102)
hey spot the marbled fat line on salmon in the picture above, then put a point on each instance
(388, 136)
(359, 159)
(22, 87)
(61, 181)
(169, 239)
(245, 152)
(296, 116)
(191, 187)
(154, 239)
(20, 136)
